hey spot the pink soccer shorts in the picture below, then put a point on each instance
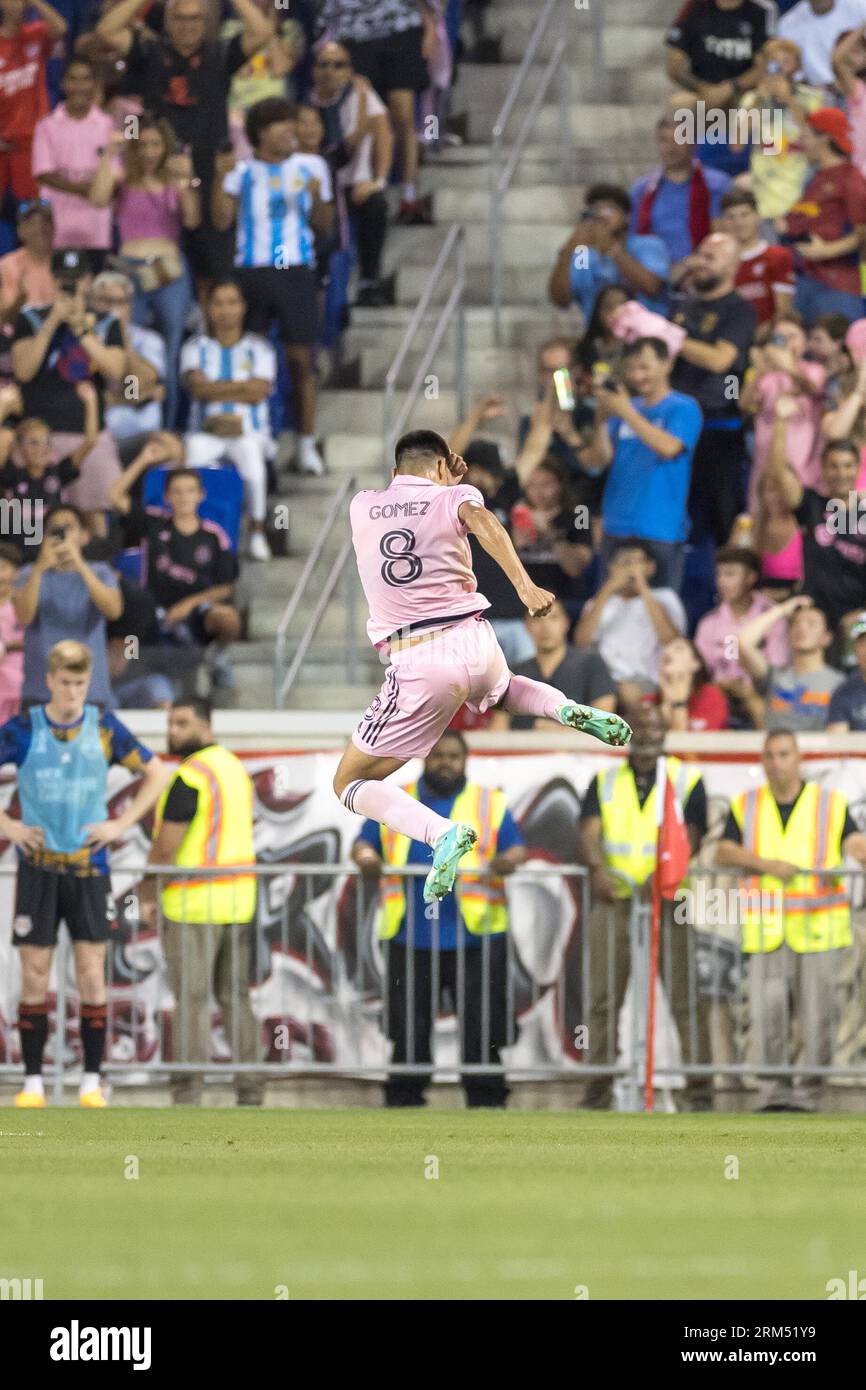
(426, 684)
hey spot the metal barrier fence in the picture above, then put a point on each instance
(309, 988)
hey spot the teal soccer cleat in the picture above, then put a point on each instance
(447, 853)
(598, 723)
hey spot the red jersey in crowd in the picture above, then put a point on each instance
(23, 101)
(23, 94)
(762, 270)
(831, 205)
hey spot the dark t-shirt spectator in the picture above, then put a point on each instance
(731, 320)
(834, 565)
(16, 482)
(581, 676)
(539, 556)
(178, 566)
(51, 394)
(848, 704)
(720, 44)
(191, 92)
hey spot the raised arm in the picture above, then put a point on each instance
(257, 27)
(56, 23)
(493, 536)
(777, 458)
(753, 633)
(115, 26)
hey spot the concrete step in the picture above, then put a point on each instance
(483, 87)
(524, 244)
(521, 284)
(546, 203)
(624, 45)
(523, 326)
(578, 13)
(490, 370)
(360, 412)
(591, 122)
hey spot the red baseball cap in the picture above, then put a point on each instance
(833, 122)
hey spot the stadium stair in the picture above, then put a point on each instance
(612, 119)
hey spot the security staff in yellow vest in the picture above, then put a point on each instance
(796, 926)
(618, 833)
(410, 932)
(205, 820)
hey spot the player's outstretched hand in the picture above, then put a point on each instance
(536, 601)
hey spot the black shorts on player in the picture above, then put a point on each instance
(44, 899)
(286, 296)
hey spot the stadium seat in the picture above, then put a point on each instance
(128, 564)
(223, 500)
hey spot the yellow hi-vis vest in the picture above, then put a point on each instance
(220, 833)
(480, 901)
(809, 913)
(628, 830)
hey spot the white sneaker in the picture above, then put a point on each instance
(309, 458)
(258, 548)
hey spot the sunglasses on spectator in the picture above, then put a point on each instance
(33, 205)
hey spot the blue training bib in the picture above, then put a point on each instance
(62, 784)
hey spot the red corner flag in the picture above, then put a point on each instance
(674, 851)
(672, 865)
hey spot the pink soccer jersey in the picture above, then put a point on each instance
(413, 555)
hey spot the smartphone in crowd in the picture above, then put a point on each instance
(563, 388)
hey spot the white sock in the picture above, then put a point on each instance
(410, 192)
(33, 1086)
(89, 1082)
(307, 441)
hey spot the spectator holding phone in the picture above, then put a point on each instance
(38, 483)
(59, 597)
(778, 169)
(629, 622)
(56, 347)
(602, 251)
(131, 414)
(646, 442)
(782, 376)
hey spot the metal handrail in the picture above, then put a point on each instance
(454, 307)
(303, 580)
(500, 178)
(313, 625)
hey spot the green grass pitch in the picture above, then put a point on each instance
(337, 1205)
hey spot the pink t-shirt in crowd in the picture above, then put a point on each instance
(143, 213)
(65, 146)
(12, 663)
(413, 555)
(713, 639)
(804, 441)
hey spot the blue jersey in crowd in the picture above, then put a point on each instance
(645, 494)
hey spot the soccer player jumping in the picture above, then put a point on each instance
(427, 615)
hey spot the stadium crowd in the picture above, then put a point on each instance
(688, 481)
(187, 191)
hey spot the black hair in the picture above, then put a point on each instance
(631, 543)
(225, 282)
(420, 445)
(609, 193)
(834, 325)
(64, 507)
(738, 197)
(586, 352)
(739, 555)
(265, 113)
(183, 473)
(458, 737)
(835, 445)
(199, 704)
(11, 554)
(656, 345)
